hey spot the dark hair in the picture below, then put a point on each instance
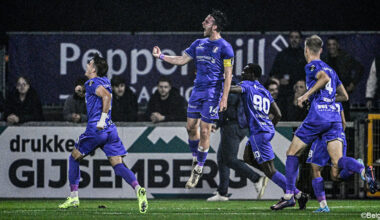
(314, 43)
(164, 79)
(80, 81)
(100, 65)
(220, 19)
(296, 31)
(271, 82)
(25, 78)
(255, 69)
(333, 38)
(117, 80)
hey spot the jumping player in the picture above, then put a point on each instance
(100, 132)
(319, 157)
(258, 103)
(324, 88)
(214, 59)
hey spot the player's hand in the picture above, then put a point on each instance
(213, 128)
(100, 125)
(156, 52)
(223, 104)
(301, 100)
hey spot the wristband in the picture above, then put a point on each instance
(161, 57)
(103, 117)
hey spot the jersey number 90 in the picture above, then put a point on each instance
(261, 103)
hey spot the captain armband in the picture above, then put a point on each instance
(228, 62)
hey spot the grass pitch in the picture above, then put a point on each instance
(182, 209)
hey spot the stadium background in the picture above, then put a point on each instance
(348, 18)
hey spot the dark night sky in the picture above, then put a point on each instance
(150, 15)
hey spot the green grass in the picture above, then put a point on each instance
(181, 209)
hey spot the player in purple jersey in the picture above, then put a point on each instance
(213, 57)
(319, 157)
(100, 132)
(258, 103)
(324, 88)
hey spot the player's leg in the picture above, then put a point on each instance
(232, 135)
(350, 164)
(86, 143)
(319, 188)
(192, 127)
(123, 171)
(224, 172)
(115, 150)
(296, 148)
(204, 145)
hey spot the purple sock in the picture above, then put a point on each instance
(127, 174)
(291, 173)
(193, 144)
(345, 174)
(74, 174)
(201, 158)
(319, 188)
(280, 180)
(350, 164)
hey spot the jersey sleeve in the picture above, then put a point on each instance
(191, 50)
(228, 56)
(91, 86)
(244, 87)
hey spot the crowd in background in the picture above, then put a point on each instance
(286, 83)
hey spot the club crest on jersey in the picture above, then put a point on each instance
(215, 49)
(312, 68)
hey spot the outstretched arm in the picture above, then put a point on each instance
(322, 80)
(341, 94)
(106, 100)
(175, 60)
(235, 89)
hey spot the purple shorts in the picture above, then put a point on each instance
(108, 141)
(202, 105)
(309, 132)
(261, 147)
(318, 153)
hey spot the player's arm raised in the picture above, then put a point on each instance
(227, 86)
(341, 94)
(275, 111)
(322, 80)
(175, 60)
(106, 100)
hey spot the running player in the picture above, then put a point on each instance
(214, 59)
(100, 132)
(322, 120)
(319, 157)
(258, 103)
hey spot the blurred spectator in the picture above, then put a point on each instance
(23, 104)
(295, 113)
(348, 69)
(74, 109)
(373, 89)
(289, 64)
(166, 104)
(124, 101)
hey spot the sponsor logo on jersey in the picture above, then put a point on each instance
(312, 68)
(215, 49)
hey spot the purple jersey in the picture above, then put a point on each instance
(94, 103)
(322, 107)
(257, 101)
(210, 58)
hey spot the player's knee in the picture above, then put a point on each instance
(77, 155)
(205, 132)
(191, 130)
